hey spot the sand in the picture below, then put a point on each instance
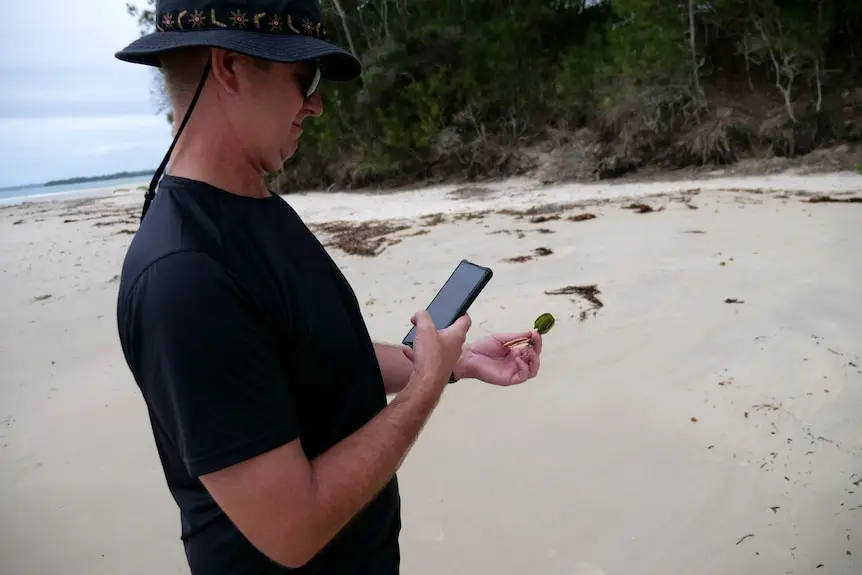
(669, 431)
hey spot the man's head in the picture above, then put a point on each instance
(258, 104)
(250, 66)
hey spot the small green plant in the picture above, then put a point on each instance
(543, 325)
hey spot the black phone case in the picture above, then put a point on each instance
(465, 305)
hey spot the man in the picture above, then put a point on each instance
(266, 396)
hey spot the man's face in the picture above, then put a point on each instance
(273, 108)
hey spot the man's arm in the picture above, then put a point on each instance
(216, 385)
(290, 507)
(394, 366)
(397, 368)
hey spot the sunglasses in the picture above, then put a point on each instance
(310, 83)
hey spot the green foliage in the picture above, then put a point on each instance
(455, 86)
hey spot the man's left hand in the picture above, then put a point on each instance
(489, 360)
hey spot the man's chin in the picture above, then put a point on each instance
(288, 151)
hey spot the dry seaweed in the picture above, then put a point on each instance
(366, 239)
(587, 292)
(641, 208)
(543, 219)
(831, 200)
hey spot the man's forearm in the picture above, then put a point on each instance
(394, 366)
(351, 473)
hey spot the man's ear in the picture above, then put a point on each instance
(224, 69)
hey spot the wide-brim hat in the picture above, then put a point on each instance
(275, 30)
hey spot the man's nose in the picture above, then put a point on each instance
(314, 104)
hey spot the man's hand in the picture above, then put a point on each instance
(490, 361)
(435, 352)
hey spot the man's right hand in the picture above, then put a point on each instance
(435, 352)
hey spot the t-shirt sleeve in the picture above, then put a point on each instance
(206, 364)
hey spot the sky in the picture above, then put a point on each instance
(68, 107)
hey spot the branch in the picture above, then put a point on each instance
(344, 24)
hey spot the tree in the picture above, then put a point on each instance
(146, 19)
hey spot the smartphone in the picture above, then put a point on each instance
(456, 296)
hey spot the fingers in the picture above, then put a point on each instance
(463, 324)
(507, 337)
(523, 371)
(420, 316)
(531, 359)
(536, 338)
(422, 320)
(533, 362)
(459, 328)
(407, 351)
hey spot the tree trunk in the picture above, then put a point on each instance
(346, 26)
(692, 39)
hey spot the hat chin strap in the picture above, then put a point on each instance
(151, 191)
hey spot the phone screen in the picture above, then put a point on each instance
(455, 296)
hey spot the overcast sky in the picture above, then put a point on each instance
(67, 106)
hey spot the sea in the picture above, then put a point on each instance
(33, 191)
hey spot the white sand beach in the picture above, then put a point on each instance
(704, 418)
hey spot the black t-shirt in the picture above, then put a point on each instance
(243, 335)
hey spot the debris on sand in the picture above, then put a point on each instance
(831, 200)
(421, 232)
(468, 216)
(640, 208)
(521, 234)
(733, 300)
(766, 406)
(543, 219)
(541, 251)
(42, 297)
(582, 217)
(471, 193)
(744, 537)
(587, 292)
(518, 233)
(368, 239)
(537, 214)
(433, 219)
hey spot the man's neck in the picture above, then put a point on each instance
(218, 165)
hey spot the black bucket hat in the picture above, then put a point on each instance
(275, 30)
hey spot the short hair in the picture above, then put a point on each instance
(181, 71)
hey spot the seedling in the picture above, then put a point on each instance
(543, 325)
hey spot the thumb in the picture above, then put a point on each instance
(461, 325)
(423, 321)
(415, 319)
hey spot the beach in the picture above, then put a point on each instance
(697, 410)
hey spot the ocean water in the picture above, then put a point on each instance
(24, 192)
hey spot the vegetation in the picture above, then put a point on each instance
(114, 176)
(578, 88)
